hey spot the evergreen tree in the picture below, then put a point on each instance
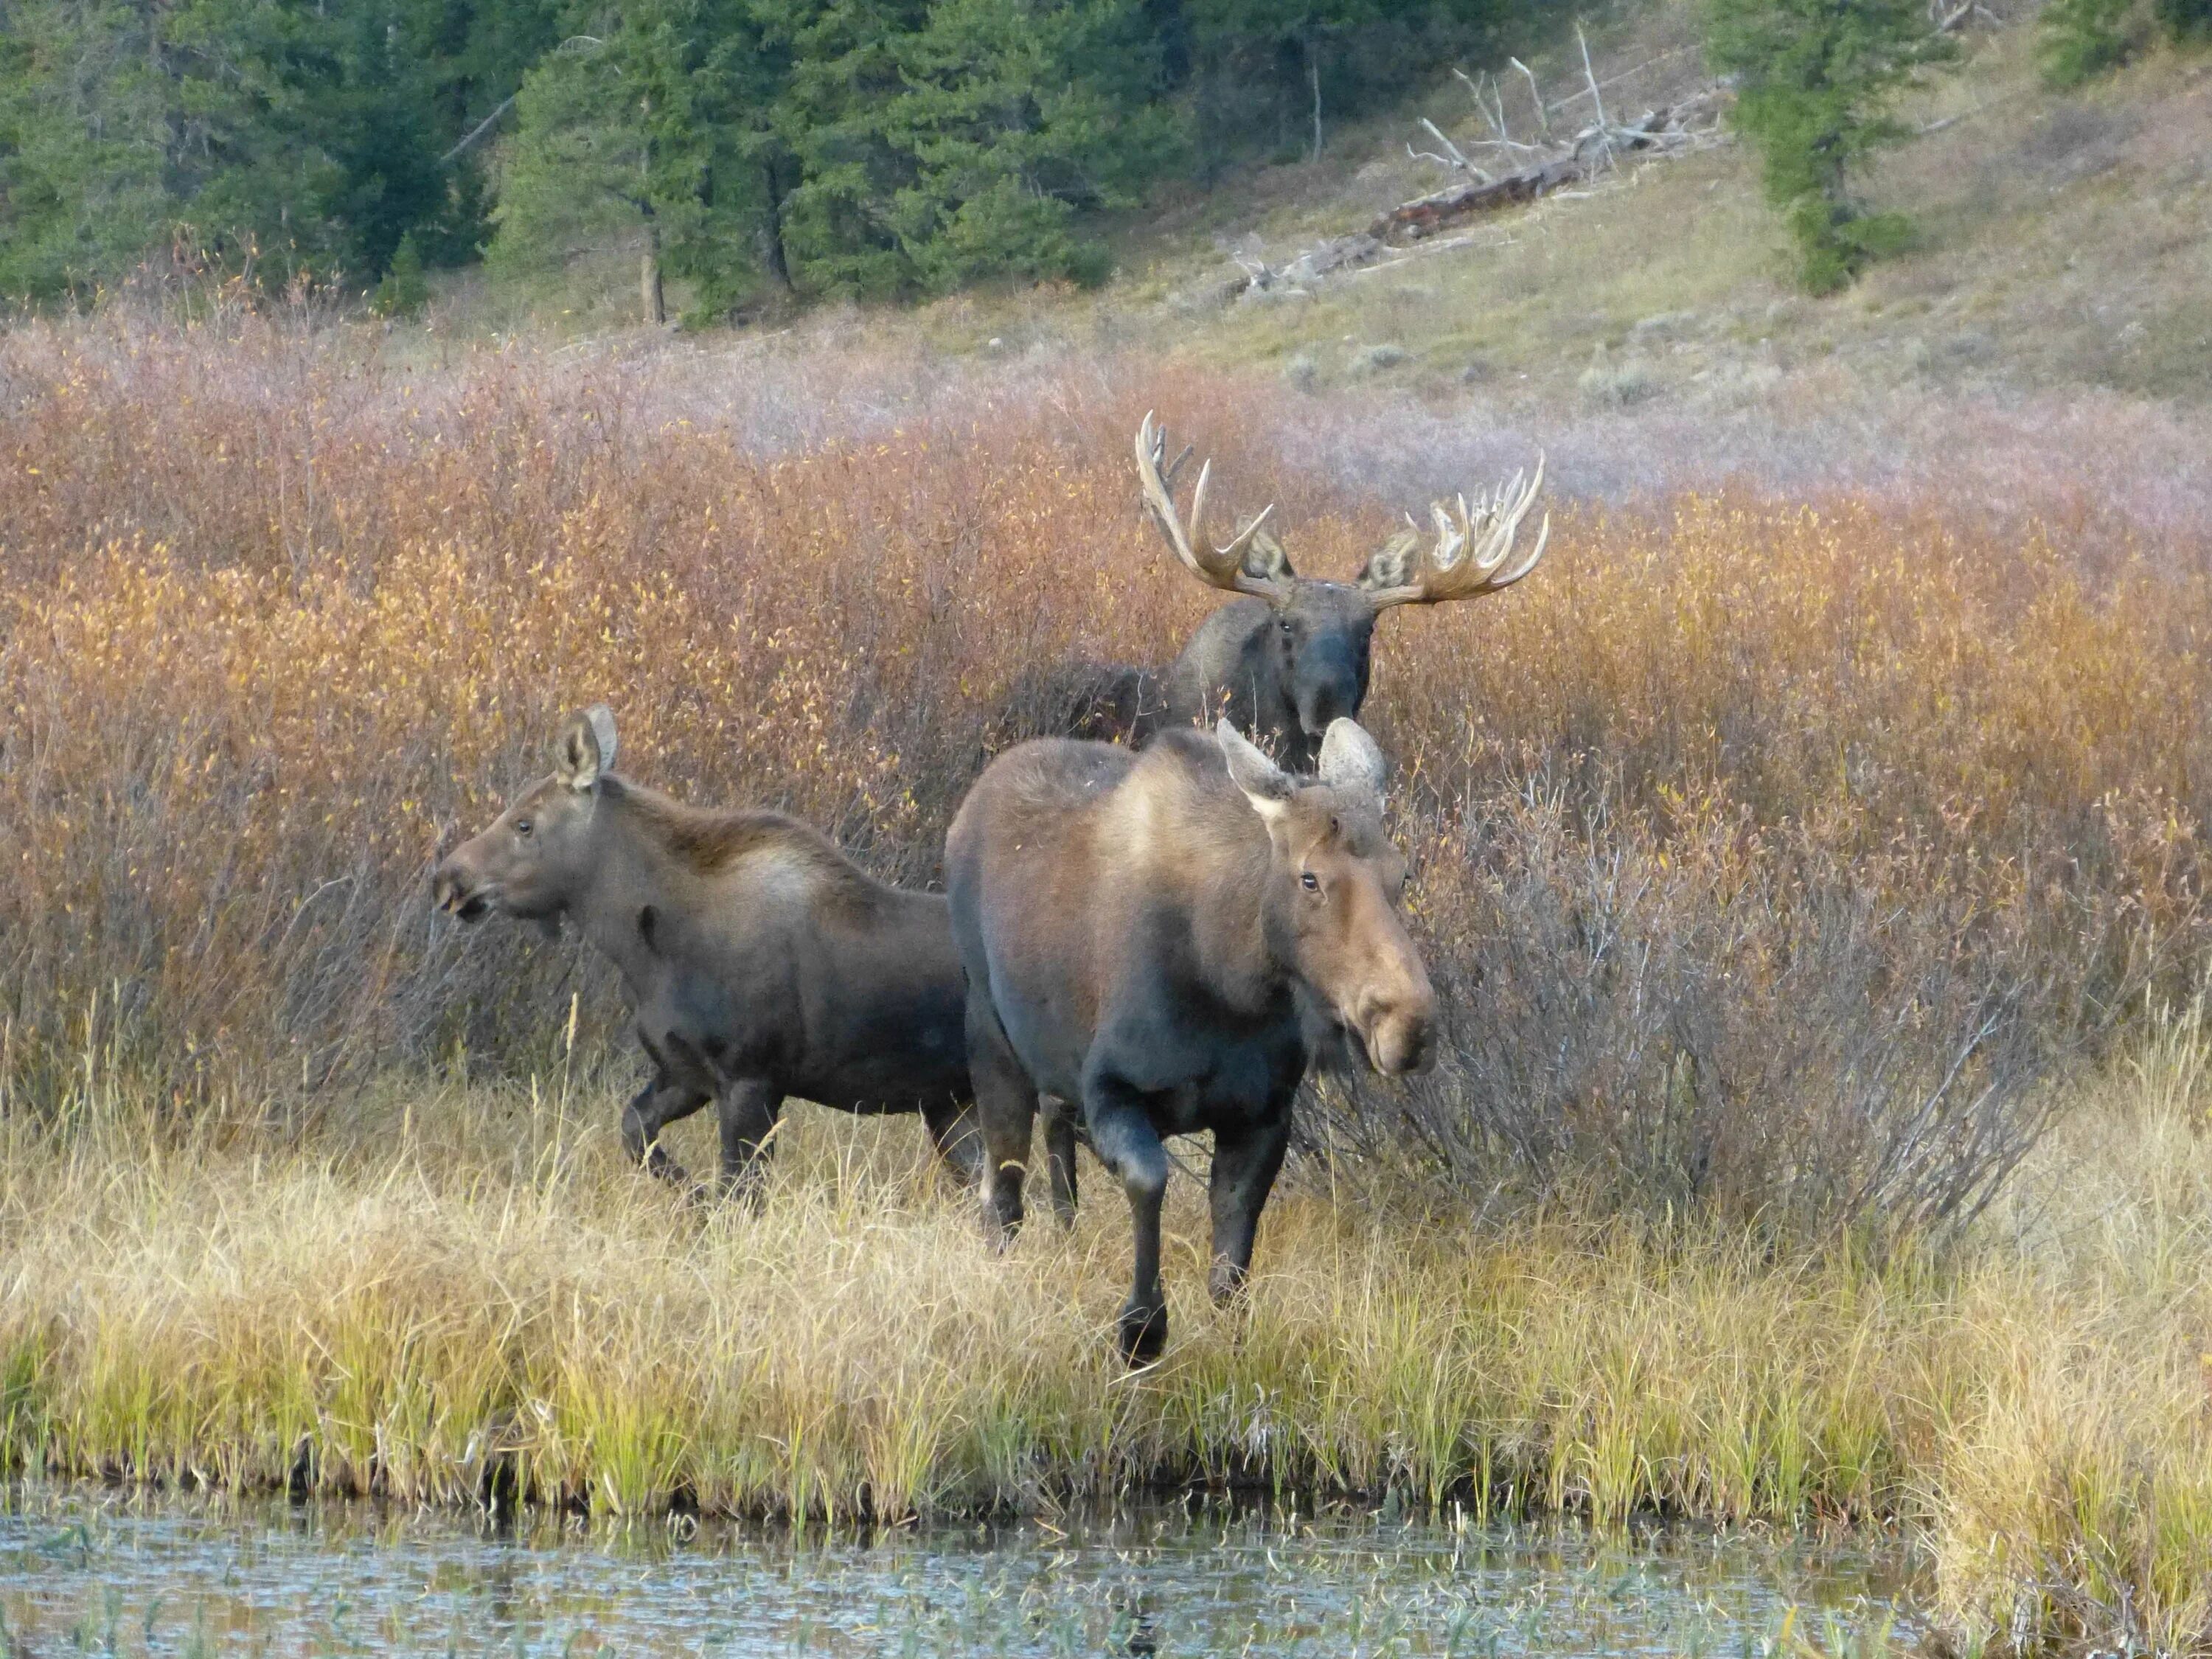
(279, 135)
(652, 134)
(299, 138)
(1006, 119)
(1815, 79)
(2184, 20)
(1273, 75)
(2080, 39)
(879, 147)
(405, 289)
(82, 134)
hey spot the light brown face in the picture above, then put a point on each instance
(1341, 883)
(1336, 885)
(530, 863)
(536, 858)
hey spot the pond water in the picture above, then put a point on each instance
(85, 1571)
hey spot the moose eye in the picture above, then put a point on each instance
(1310, 881)
(522, 826)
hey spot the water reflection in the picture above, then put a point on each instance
(94, 1571)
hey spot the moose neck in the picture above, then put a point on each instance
(629, 870)
(1242, 950)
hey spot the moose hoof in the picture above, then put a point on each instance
(1002, 1217)
(1063, 1197)
(749, 1192)
(1144, 1334)
(1225, 1285)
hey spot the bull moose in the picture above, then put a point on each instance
(761, 960)
(1290, 654)
(1164, 937)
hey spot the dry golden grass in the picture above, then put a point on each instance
(433, 1293)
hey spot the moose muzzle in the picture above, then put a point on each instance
(453, 892)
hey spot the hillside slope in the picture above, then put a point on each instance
(2065, 242)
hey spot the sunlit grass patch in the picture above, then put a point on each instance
(462, 1282)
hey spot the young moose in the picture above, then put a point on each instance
(1157, 936)
(762, 962)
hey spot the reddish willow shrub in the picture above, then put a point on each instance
(1768, 854)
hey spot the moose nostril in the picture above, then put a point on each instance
(1420, 1048)
(1403, 1046)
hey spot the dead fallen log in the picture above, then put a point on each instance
(1691, 125)
(1425, 215)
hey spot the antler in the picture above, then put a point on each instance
(1471, 549)
(1218, 567)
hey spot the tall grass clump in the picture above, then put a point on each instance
(462, 1296)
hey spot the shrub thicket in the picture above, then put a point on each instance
(1767, 854)
(2080, 39)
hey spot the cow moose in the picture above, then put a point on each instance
(1290, 654)
(762, 962)
(1165, 938)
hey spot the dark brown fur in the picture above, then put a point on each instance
(762, 962)
(1152, 936)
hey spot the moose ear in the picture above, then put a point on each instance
(1265, 561)
(1391, 565)
(1350, 759)
(1265, 784)
(586, 750)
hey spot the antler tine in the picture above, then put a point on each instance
(1472, 549)
(1451, 538)
(1218, 567)
(1159, 452)
(1507, 527)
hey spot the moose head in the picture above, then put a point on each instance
(1291, 655)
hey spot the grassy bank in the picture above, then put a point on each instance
(440, 1284)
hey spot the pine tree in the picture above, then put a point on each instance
(652, 134)
(83, 110)
(879, 147)
(2184, 20)
(1273, 75)
(941, 145)
(278, 135)
(1815, 79)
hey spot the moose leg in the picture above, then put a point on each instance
(1245, 1165)
(750, 1106)
(953, 1131)
(1060, 1156)
(1128, 1144)
(1005, 1111)
(659, 1104)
